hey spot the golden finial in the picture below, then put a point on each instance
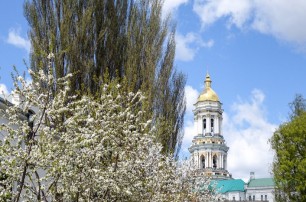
(207, 81)
(208, 94)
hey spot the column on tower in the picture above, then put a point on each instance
(206, 160)
(196, 125)
(198, 160)
(200, 124)
(220, 125)
(221, 160)
(210, 159)
(217, 130)
(195, 160)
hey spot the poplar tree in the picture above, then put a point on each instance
(101, 41)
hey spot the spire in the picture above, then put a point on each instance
(207, 81)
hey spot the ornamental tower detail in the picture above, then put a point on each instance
(208, 149)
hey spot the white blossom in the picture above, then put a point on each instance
(87, 149)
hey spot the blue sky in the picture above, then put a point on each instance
(254, 51)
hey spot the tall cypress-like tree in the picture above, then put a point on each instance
(99, 41)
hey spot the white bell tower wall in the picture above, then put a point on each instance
(208, 149)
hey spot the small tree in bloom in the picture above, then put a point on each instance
(82, 149)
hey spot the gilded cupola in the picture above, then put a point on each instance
(208, 94)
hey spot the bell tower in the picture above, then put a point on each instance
(208, 149)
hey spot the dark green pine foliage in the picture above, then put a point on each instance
(101, 41)
(289, 144)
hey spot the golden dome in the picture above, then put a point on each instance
(208, 94)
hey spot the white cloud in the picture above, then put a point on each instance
(208, 44)
(4, 92)
(17, 40)
(187, 46)
(280, 18)
(189, 133)
(3, 89)
(247, 132)
(191, 95)
(171, 5)
(209, 11)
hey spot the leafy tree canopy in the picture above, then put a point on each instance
(100, 41)
(289, 143)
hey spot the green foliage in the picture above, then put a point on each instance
(289, 167)
(298, 106)
(100, 41)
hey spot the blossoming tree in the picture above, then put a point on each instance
(82, 149)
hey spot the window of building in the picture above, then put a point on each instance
(215, 161)
(261, 197)
(240, 198)
(212, 125)
(250, 198)
(233, 198)
(202, 162)
(253, 197)
(204, 126)
(266, 198)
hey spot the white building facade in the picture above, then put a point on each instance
(261, 189)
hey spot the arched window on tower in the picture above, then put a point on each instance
(212, 125)
(215, 162)
(202, 161)
(204, 126)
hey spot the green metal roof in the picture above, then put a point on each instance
(224, 186)
(261, 182)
